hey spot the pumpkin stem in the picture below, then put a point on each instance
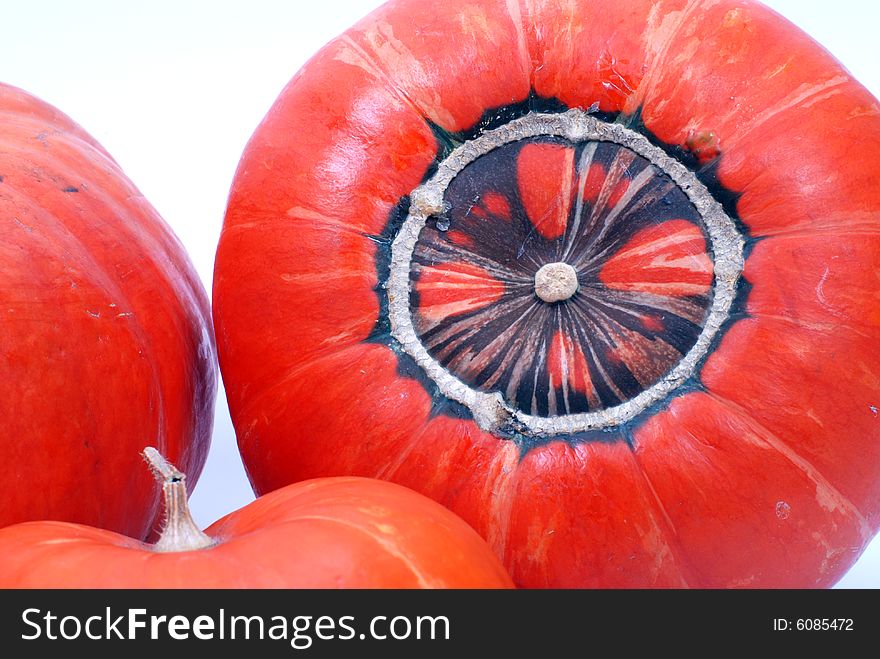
(180, 532)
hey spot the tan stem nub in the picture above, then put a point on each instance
(180, 532)
(556, 282)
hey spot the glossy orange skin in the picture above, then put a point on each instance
(325, 533)
(106, 344)
(766, 476)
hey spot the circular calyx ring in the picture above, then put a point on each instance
(572, 284)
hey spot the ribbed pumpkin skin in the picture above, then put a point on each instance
(325, 533)
(764, 471)
(106, 344)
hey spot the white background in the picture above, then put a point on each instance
(174, 88)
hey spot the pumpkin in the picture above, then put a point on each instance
(324, 533)
(599, 277)
(106, 342)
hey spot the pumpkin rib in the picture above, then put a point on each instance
(797, 100)
(39, 115)
(829, 328)
(148, 236)
(36, 544)
(691, 11)
(582, 57)
(872, 229)
(96, 277)
(771, 201)
(79, 144)
(663, 523)
(406, 396)
(500, 491)
(332, 352)
(311, 501)
(667, 527)
(835, 281)
(98, 558)
(103, 205)
(373, 65)
(342, 309)
(515, 10)
(594, 499)
(722, 49)
(388, 547)
(789, 453)
(93, 272)
(438, 450)
(339, 136)
(438, 64)
(315, 221)
(842, 298)
(812, 415)
(387, 470)
(789, 531)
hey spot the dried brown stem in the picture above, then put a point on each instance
(180, 532)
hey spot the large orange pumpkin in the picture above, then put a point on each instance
(600, 277)
(105, 341)
(325, 533)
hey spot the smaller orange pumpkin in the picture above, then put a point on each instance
(323, 533)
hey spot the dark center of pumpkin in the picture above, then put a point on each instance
(562, 280)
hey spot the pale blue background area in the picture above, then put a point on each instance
(174, 88)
